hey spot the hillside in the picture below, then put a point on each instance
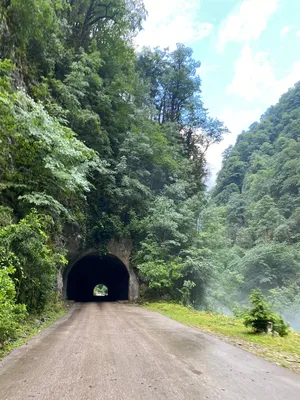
(255, 211)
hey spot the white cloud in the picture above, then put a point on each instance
(255, 79)
(298, 33)
(236, 123)
(247, 22)
(253, 74)
(172, 21)
(284, 31)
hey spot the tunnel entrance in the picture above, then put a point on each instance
(94, 271)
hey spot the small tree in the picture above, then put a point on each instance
(185, 292)
(261, 317)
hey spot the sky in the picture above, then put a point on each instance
(248, 49)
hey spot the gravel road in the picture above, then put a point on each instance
(117, 351)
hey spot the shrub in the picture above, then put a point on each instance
(261, 315)
(36, 260)
(11, 314)
(280, 326)
(185, 292)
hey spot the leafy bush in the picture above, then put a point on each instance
(35, 259)
(11, 315)
(185, 292)
(261, 315)
(286, 301)
(280, 326)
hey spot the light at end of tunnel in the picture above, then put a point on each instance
(100, 291)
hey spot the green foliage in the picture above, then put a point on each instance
(260, 316)
(48, 166)
(219, 259)
(269, 266)
(98, 143)
(258, 187)
(6, 216)
(33, 38)
(168, 255)
(175, 90)
(286, 301)
(36, 262)
(159, 274)
(186, 292)
(12, 314)
(100, 290)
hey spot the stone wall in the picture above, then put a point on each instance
(122, 249)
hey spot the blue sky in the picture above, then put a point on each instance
(249, 53)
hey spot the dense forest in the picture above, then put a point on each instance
(101, 140)
(98, 141)
(252, 223)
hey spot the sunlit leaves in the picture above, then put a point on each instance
(43, 155)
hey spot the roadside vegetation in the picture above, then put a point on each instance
(251, 227)
(284, 351)
(30, 325)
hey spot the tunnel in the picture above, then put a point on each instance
(93, 270)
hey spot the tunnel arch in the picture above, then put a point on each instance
(91, 270)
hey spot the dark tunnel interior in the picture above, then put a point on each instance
(91, 271)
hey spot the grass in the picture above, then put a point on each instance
(284, 351)
(33, 325)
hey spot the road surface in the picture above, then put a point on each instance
(117, 351)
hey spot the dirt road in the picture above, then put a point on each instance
(116, 351)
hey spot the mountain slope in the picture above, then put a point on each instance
(255, 210)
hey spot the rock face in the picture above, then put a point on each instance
(121, 249)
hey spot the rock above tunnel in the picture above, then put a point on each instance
(87, 269)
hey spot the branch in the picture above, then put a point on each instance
(112, 18)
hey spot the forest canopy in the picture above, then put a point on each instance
(257, 202)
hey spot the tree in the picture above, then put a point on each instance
(268, 266)
(32, 36)
(261, 318)
(175, 88)
(259, 187)
(91, 18)
(265, 218)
